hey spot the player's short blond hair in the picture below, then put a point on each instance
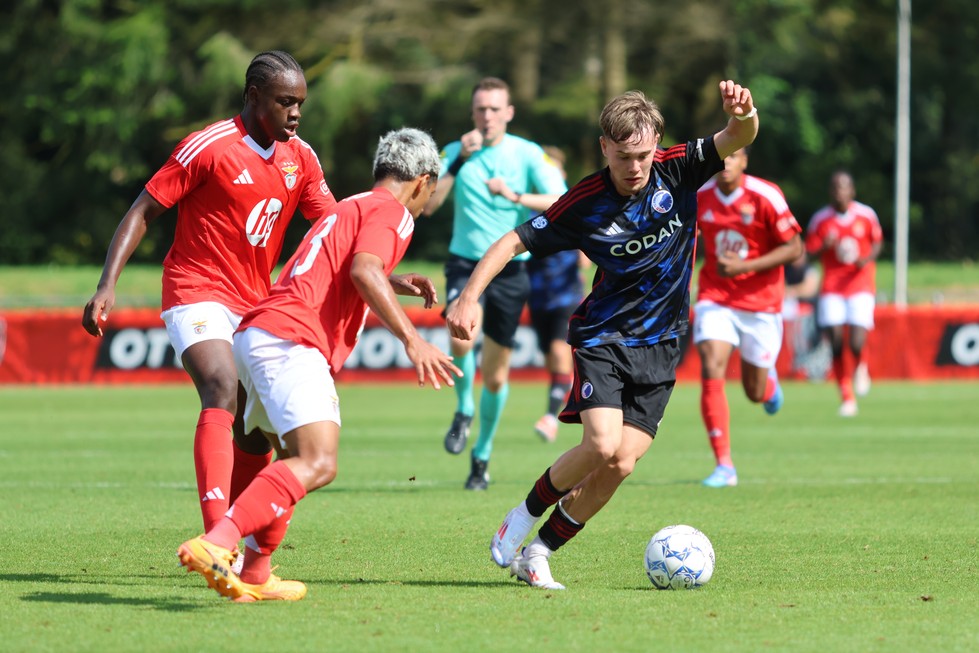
(629, 115)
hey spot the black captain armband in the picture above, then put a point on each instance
(456, 166)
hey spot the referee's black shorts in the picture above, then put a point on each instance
(503, 300)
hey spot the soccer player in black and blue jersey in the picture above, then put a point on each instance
(636, 220)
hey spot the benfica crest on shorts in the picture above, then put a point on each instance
(290, 171)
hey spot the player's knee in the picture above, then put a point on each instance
(622, 468)
(601, 451)
(323, 470)
(219, 391)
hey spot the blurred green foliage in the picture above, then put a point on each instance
(97, 93)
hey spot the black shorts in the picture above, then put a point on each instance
(503, 300)
(639, 380)
(551, 325)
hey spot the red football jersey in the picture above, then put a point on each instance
(314, 302)
(234, 201)
(751, 221)
(854, 234)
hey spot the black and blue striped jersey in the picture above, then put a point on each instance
(555, 281)
(642, 245)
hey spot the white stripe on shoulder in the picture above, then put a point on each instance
(206, 132)
(201, 141)
(767, 190)
(308, 147)
(868, 211)
(822, 215)
(407, 225)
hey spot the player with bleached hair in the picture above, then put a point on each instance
(289, 346)
(636, 220)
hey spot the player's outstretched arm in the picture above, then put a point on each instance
(432, 364)
(463, 313)
(742, 126)
(128, 235)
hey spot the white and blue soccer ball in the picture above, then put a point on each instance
(679, 557)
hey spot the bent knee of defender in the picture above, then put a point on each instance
(323, 470)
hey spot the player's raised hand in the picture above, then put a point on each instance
(737, 99)
(97, 310)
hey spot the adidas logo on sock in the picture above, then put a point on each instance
(278, 511)
(213, 494)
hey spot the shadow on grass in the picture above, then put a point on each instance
(350, 582)
(102, 598)
(94, 598)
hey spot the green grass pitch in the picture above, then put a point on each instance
(844, 535)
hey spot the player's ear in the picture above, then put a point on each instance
(420, 185)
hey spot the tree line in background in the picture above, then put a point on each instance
(97, 93)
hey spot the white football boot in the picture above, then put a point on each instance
(533, 568)
(508, 539)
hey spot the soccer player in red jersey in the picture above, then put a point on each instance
(847, 237)
(289, 345)
(236, 185)
(748, 234)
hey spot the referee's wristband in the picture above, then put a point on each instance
(456, 167)
(750, 114)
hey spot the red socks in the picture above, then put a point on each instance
(267, 500)
(717, 418)
(213, 460)
(843, 377)
(261, 545)
(247, 466)
(770, 386)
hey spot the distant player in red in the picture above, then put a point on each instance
(236, 185)
(288, 347)
(847, 237)
(748, 234)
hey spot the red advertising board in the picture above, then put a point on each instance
(51, 347)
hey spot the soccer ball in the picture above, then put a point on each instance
(679, 558)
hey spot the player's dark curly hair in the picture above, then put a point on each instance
(266, 66)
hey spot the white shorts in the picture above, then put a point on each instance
(757, 335)
(288, 385)
(190, 324)
(837, 310)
